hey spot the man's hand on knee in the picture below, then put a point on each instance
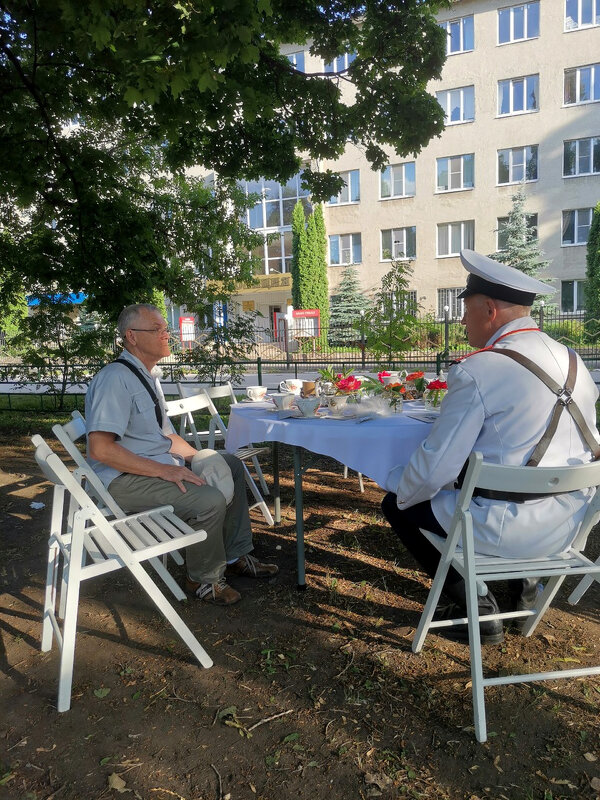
(177, 475)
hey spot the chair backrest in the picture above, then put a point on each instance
(67, 435)
(217, 392)
(535, 481)
(187, 405)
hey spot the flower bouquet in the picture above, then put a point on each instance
(435, 392)
(416, 383)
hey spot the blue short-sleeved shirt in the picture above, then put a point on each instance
(117, 402)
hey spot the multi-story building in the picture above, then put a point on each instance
(521, 93)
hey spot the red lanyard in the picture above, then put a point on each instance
(491, 346)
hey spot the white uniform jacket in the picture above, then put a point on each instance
(499, 408)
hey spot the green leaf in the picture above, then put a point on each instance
(105, 760)
(102, 692)
(291, 737)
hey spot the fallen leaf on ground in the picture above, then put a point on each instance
(116, 782)
(379, 779)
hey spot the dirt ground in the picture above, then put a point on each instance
(313, 694)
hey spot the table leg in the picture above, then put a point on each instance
(276, 495)
(299, 518)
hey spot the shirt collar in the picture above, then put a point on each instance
(137, 363)
(513, 325)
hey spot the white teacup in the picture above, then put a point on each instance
(308, 405)
(393, 378)
(282, 400)
(291, 385)
(337, 402)
(256, 393)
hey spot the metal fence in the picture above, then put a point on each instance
(430, 344)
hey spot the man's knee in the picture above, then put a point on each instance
(235, 465)
(200, 502)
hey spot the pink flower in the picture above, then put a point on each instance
(382, 375)
(347, 385)
(437, 385)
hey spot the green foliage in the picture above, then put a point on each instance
(309, 264)
(106, 105)
(592, 284)
(61, 351)
(219, 349)
(391, 323)
(346, 306)
(522, 247)
(571, 332)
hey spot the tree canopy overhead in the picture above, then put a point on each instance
(101, 100)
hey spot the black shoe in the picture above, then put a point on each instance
(523, 594)
(491, 631)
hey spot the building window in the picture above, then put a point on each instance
(340, 63)
(531, 220)
(582, 85)
(519, 22)
(518, 95)
(517, 164)
(345, 248)
(297, 60)
(576, 225)
(460, 37)
(572, 296)
(350, 192)
(452, 237)
(272, 214)
(458, 104)
(581, 14)
(582, 157)
(397, 180)
(399, 243)
(448, 298)
(455, 172)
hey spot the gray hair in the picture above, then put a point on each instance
(130, 314)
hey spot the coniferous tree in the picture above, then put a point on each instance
(522, 249)
(300, 261)
(347, 304)
(318, 294)
(592, 285)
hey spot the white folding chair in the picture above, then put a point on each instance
(86, 544)
(201, 402)
(458, 551)
(188, 429)
(74, 431)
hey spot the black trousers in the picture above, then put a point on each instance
(406, 524)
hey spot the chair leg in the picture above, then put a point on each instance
(50, 596)
(69, 631)
(167, 610)
(260, 476)
(360, 482)
(479, 719)
(260, 501)
(542, 604)
(582, 587)
(167, 578)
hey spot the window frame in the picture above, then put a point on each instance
(353, 244)
(576, 226)
(512, 81)
(463, 223)
(394, 231)
(578, 296)
(582, 26)
(511, 166)
(332, 67)
(393, 168)
(577, 157)
(525, 6)
(447, 106)
(292, 58)
(531, 220)
(447, 27)
(462, 187)
(594, 77)
(456, 305)
(347, 176)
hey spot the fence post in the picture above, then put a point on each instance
(363, 345)
(259, 370)
(541, 325)
(286, 342)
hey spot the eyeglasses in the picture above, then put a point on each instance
(156, 331)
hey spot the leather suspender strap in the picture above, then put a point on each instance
(564, 400)
(146, 385)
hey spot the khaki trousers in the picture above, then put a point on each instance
(228, 530)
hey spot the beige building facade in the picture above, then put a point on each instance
(521, 92)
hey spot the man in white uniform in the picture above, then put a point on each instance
(497, 406)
